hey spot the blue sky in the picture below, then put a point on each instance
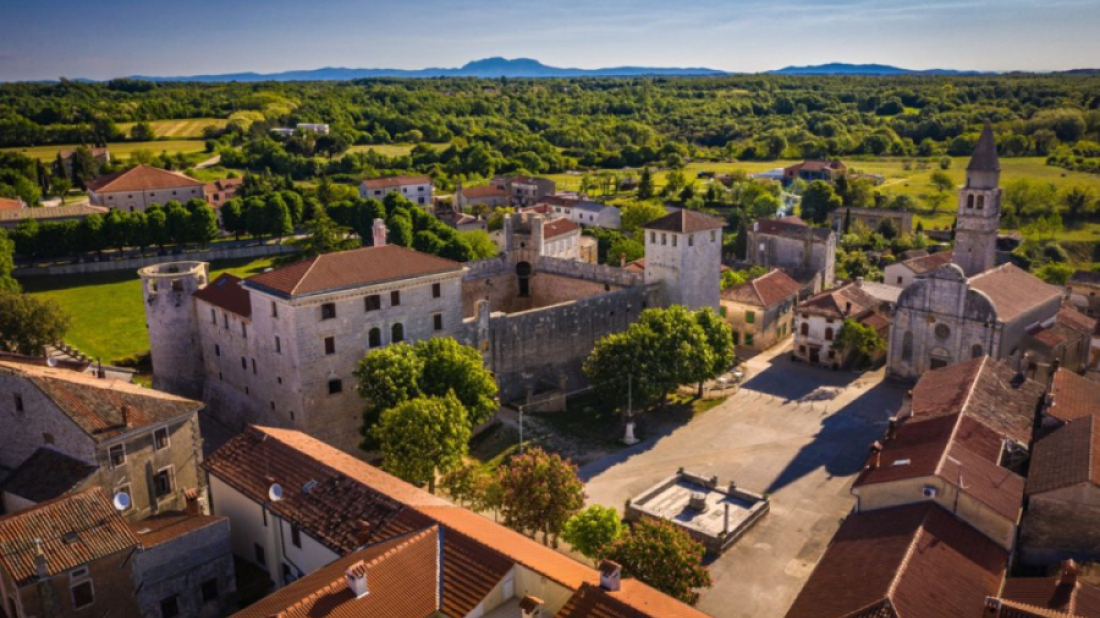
(45, 39)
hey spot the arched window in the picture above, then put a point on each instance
(829, 334)
(397, 333)
(970, 201)
(981, 202)
(805, 330)
(907, 346)
(523, 274)
(374, 338)
(975, 351)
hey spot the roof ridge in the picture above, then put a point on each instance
(909, 551)
(312, 262)
(962, 412)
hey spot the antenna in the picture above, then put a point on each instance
(121, 501)
(275, 492)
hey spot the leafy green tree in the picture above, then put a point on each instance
(178, 222)
(636, 214)
(295, 204)
(28, 325)
(202, 222)
(593, 529)
(646, 188)
(323, 235)
(941, 182)
(233, 219)
(860, 341)
(818, 201)
(480, 243)
(7, 264)
(662, 555)
(400, 229)
(1055, 273)
(142, 132)
(719, 338)
(277, 216)
(469, 484)
(539, 493)
(423, 437)
(156, 224)
(625, 249)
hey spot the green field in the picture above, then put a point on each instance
(120, 149)
(178, 129)
(391, 150)
(108, 316)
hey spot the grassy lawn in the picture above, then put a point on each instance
(185, 128)
(108, 317)
(120, 149)
(391, 150)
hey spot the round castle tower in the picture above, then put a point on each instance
(173, 329)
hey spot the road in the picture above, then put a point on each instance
(775, 436)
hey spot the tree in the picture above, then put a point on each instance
(634, 215)
(28, 325)
(593, 529)
(277, 216)
(719, 337)
(7, 264)
(468, 483)
(646, 188)
(323, 235)
(539, 493)
(662, 555)
(818, 201)
(178, 222)
(142, 132)
(480, 243)
(624, 249)
(861, 341)
(202, 223)
(1055, 273)
(233, 219)
(941, 182)
(423, 437)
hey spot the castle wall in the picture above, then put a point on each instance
(170, 320)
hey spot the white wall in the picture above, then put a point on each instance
(420, 194)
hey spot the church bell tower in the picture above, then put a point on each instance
(979, 213)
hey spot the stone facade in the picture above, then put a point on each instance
(177, 361)
(112, 591)
(687, 265)
(979, 212)
(193, 571)
(756, 327)
(138, 201)
(791, 245)
(872, 218)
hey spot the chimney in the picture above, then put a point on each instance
(356, 576)
(531, 607)
(622, 260)
(379, 233)
(40, 564)
(892, 428)
(992, 607)
(876, 455)
(1068, 574)
(362, 535)
(194, 509)
(611, 575)
(127, 416)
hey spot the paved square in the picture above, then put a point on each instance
(775, 436)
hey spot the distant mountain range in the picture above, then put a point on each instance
(839, 68)
(487, 68)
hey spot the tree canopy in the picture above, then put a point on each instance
(423, 437)
(662, 555)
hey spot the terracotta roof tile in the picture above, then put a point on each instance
(685, 221)
(10, 204)
(1073, 396)
(74, 530)
(927, 263)
(142, 178)
(486, 191)
(470, 571)
(47, 474)
(1013, 291)
(164, 527)
(395, 181)
(350, 269)
(102, 408)
(764, 291)
(557, 227)
(52, 212)
(1066, 457)
(834, 302)
(226, 292)
(1050, 593)
(790, 227)
(919, 559)
(401, 582)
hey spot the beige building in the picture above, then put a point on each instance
(818, 320)
(905, 272)
(221, 191)
(1084, 292)
(789, 243)
(760, 311)
(488, 197)
(137, 188)
(417, 189)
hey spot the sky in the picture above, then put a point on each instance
(47, 39)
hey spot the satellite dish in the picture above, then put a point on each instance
(121, 501)
(275, 492)
(51, 361)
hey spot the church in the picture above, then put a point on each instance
(972, 307)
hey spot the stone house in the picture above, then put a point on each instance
(1064, 595)
(1063, 343)
(524, 190)
(814, 169)
(683, 252)
(583, 212)
(137, 188)
(788, 243)
(760, 311)
(1084, 292)
(221, 191)
(417, 189)
(341, 537)
(872, 218)
(562, 239)
(818, 319)
(489, 196)
(67, 430)
(904, 272)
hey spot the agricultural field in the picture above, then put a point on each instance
(119, 149)
(186, 128)
(108, 316)
(391, 150)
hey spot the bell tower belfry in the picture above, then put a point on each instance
(979, 213)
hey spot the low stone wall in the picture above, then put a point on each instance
(132, 264)
(590, 272)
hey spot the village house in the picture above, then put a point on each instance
(790, 244)
(1084, 292)
(417, 189)
(137, 188)
(66, 430)
(221, 191)
(1062, 596)
(487, 197)
(814, 169)
(904, 272)
(818, 319)
(524, 190)
(336, 533)
(760, 311)
(10, 219)
(902, 220)
(583, 212)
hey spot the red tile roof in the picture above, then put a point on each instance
(102, 408)
(1014, 292)
(10, 204)
(764, 291)
(74, 530)
(224, 184)
(141, 178)
(486, 191)
(1066, 457)
(685, 221)
(927, 263)
(164, 527)
(395, 181)
(227, 293)
(834, 303)
(351, 269)
(401, 581)
(816, 165)
(47, 474)
(1073, 396)
(470, 572)
(1050, 593)
(790, 227)
(557, 227)
(918, 559)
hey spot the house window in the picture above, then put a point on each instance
(395, 298)
(805, 329)
(437, 290)
(750, 317)
(261, 555)
(244, 363)
(397, 333)
(278, 345)
(296, 536)
(374, 338)
(253, 366)
(691, 240)
(170, 607)
(81, 589)
(372, 302)
(209, 590)
(899, 280)
(217, 350)
(712, 235)
(330, 345)
(328, 311)
(213, 316)
(664, 239)
(748, 338)
(162, 483)
(244, 330)
(828, 334)
(18, 403)
(736, 338)
(118, 455)
(653, 237)
(335, 386)
(125, 489)
(437, 321)
(674, 240)
(160, 439)
(274, 310)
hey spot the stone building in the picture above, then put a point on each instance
(488, 196)
(902, 220)
(416, 189)
(979, 212)
(139, 187)
(551, 237)
(903, 273)
(66, 431)
(788, 243)
(760, 311)
(581, 211)
(1084, 292)
(818, 319)
(221, 191)
(683, 253)
(524, 190)
(814, 169)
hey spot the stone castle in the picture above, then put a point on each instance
(280, 348)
